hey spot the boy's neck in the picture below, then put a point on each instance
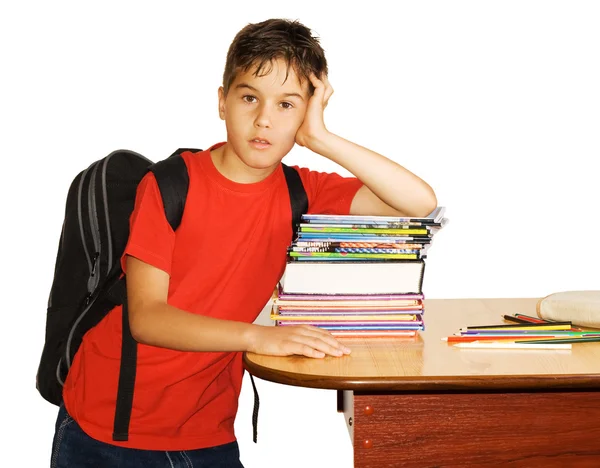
(233, 168)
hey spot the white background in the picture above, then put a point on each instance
(495, 104)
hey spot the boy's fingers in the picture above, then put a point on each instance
(319, 332)
(328, 87)
(308, 351)
(328, 93)
(323, 89)
(327, 337)
(318, 84)
(303, 349)
(316, 81)
(320, 345)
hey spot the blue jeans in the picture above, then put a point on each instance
(73, 448)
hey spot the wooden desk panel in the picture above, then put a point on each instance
(530, 429)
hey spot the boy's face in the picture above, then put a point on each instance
(269, 108)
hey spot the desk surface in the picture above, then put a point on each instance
(427, 363)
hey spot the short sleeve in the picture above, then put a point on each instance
(328, 193)
(151, 238)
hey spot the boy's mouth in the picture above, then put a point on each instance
(260, 143)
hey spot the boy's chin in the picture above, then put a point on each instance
(262, 158)
(262, 163)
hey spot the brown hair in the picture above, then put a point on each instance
(259, 44)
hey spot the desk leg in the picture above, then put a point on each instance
(348, 407)
(546, 429)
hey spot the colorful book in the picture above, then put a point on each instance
(346, 326)
(280, 295)
(353, 255)
(436, 216)
(396, 334)
(348, 304)
(378, 231)
(347, 318)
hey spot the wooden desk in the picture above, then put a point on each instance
(422, 403)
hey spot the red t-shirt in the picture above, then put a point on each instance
(224, 261)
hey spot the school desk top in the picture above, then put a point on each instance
(427, 363)
(408, 398)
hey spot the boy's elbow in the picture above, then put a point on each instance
(137, 331)
(428, 203)
(433, 202)
(141, 319)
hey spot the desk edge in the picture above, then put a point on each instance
(467, 383)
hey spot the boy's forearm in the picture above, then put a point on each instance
(169, 327)
(392, 183)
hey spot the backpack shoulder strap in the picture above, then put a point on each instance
(298, 197)
(173, 182)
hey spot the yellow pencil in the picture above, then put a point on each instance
(524, 327)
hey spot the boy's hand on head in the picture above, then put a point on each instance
(303, 340)
(313, 127)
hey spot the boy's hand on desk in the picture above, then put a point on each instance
(303, 340)
(313, 127)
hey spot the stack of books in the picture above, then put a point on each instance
(357, 275)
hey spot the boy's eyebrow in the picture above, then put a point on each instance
(246, 85)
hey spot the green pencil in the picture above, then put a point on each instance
(586, 339)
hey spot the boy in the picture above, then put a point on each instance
(194, 294)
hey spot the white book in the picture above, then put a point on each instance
(349, 277)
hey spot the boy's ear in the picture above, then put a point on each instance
(221, 103)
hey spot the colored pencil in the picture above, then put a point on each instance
(517, 337)
(585, 339)
(501, 345)
(532, 319)
(540, 326)
(525, 332)
(471, 338)
(511, 318)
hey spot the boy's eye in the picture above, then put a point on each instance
(249, 98)
(287, 105)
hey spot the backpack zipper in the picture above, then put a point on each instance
(90, 267)
(95, 229)
(92, 262)
(106, 217)
(80, 216)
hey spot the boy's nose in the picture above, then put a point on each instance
(263, 119)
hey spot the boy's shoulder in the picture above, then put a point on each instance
(199, 159)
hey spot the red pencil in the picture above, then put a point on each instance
(531, 319)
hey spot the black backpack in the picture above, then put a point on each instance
(88, 280)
